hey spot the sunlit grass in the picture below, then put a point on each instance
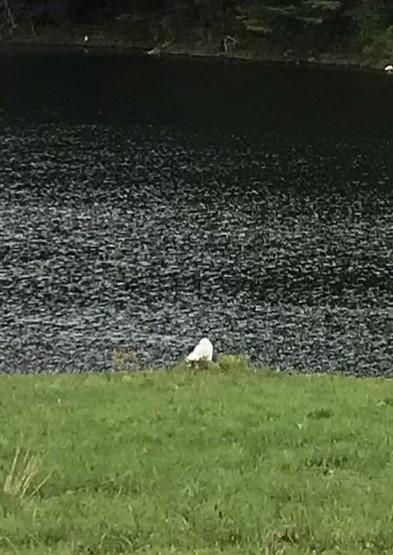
(227, 460)
(20, 479)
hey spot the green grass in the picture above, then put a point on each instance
(227, 460)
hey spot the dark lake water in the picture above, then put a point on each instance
(145, 203)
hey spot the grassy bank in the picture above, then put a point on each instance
(228, 460)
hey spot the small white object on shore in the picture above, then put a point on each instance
(203, 352)
(156, 51)
(86, 39)
(388, 69)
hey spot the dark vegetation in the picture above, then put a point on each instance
(362, 28)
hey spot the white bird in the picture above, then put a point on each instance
(203, 352)
(86, 39)
(388, 69)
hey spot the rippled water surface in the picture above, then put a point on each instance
(146, 203)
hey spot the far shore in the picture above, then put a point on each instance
(288, 56)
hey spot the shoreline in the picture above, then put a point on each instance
(325, 60)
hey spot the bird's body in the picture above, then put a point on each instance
(203, 352)
(388, 68)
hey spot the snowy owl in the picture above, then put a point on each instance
(203, 352)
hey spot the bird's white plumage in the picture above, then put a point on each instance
(389, 68)
(203, 351)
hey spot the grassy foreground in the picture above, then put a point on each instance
(228, 460)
